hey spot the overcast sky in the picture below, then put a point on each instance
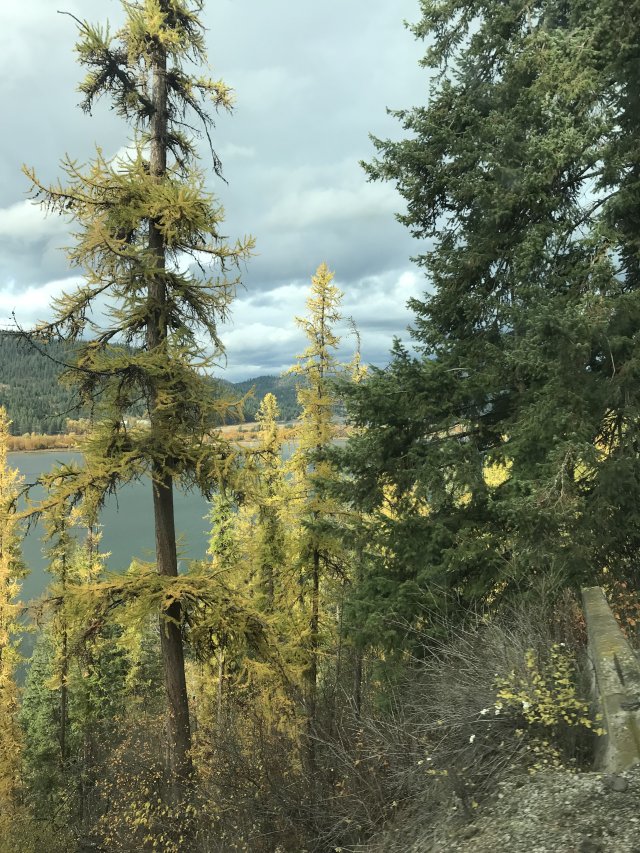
(312, 80)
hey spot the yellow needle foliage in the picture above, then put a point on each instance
(544, 697)
(11, 572)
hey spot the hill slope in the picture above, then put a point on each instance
(37, 402)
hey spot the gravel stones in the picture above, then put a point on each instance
(616, 783)
(552, 812)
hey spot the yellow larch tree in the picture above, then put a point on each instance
(11, 573)
(270, 541)
(317, 365)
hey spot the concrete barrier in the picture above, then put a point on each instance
(617, 679)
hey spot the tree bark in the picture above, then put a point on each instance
(359, 654)
(312, 672)
(220, 688)
(170, 635)
(357, 683)
(179, 729)
(64, 698)
(64, 673)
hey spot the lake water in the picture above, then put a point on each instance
(127, 521)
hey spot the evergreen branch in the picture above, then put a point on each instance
(81, 24)
(68, 367)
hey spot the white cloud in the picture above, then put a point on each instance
(410, 284)
(258, 337)
(263, 337)
(26, 220)
(34, 303)
(261, 334)
(380, 301)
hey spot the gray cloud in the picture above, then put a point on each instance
(312, 81)
(263, 333)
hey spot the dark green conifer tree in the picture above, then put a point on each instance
(507, 447)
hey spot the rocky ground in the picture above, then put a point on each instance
(551, 812)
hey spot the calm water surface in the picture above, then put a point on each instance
(127, 521)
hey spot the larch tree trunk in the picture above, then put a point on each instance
(64, 673)
(179, 729)
(312, 676)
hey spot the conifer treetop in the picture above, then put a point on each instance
(158, 277)
(318, 363)
(120, 66)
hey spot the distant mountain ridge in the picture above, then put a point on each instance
(37, 402)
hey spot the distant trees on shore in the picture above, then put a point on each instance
(38, 403)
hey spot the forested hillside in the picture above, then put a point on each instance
(282, 387)
(29, 387)
(37, 402)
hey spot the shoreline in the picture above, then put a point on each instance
(74, 449)
(242, 434)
